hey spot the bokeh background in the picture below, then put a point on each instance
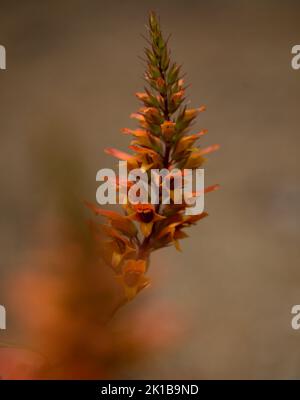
(72, 70)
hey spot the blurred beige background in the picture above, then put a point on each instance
(72, 70)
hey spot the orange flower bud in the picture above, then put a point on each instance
(142, 96)
(160, 82)
(133, 277)
(152, 111)
(168, 129)
(193, 112)
(178, 96)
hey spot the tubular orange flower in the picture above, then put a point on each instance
(119, 249)
(185, 142)
(145, 214)
(133, 277)
(131, 161)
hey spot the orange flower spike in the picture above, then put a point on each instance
(146, 215)
(161, 141)
(133, 277)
